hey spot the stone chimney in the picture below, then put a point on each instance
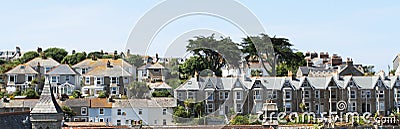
(349, 62)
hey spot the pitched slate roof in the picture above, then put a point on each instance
(162, 85)
(275, 83)
(153, 102)
(114, 71)
(22, 69)
(62, 69)
(76, 102)
(366, 82)
(43, 62)
(47, 103)
(19, 103)
(190, 84)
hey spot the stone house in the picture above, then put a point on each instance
(111, 76)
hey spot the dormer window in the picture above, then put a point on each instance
(305, 84)
(22, 67)
(351, 83)
(189, 83)
(84, 70)
(379, 83)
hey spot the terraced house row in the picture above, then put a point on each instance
(375, 94)
(91, 76)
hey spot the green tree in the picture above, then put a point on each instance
(213, 53)
(135, 60)
(282, 53)
(68, 112)
(173, 82)
(163, 93)
(102, 94)
(369, 70)
(56, 53)
(31, 94)
(139, 90)
(29, 56)
(74, 58)
(77, 94)
(240, 120)
(180, 111)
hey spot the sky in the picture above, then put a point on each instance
(363, 30)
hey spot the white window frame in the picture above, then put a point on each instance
(101, 119)
(84, 70)
(353, 106)
(307, 94)
(221, 95)
(84, 109)
(116, 79)
(87, 80)
(288, 92)
(238, 95)
(119, 112)
(99, 79)
(381, 105)
(14, 80)
(67, 78)
(55, 79)
(226, 95)
(317, 94)
(288, 105)
(351, 94)
(210, 107)
(179, 95)
(238, 108)
(257, 94)
(380, 93)
(210, 96)
(27, 77)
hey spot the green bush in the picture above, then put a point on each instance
(240, 120)
(163, 93)
(31, 94)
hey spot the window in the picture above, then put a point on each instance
(118, 122)
(353, 106)
(113, 90)
(140, 112)
(272, 94)
(119, 112)
(12, 110)
(87, 80)
(210, 96)
(288, 95)
(164, 111)
(114, 80)
(317, 108)
(238, 95)
(164, 121)
(380, 94)
(239, 108)
(381, 106)
(101, 119)
(54, 79)
(12, 78)
(84, 70)
(155, 122)
(83, 110)
(99, 80)
(288, 107)
(257, 95)
(179, 95)
(67, 78)
(308, 108)
(190, 95)
(366, 107)
(398, 94)
(334, 109)
(210, 107)
(29, 78)
(101, 111)
(333, 94)
(317, 94)
(307, 94)
(366, 94)
(221, 95)
(353, 94)
(226, 95)
(126, 122)
(48, 69)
